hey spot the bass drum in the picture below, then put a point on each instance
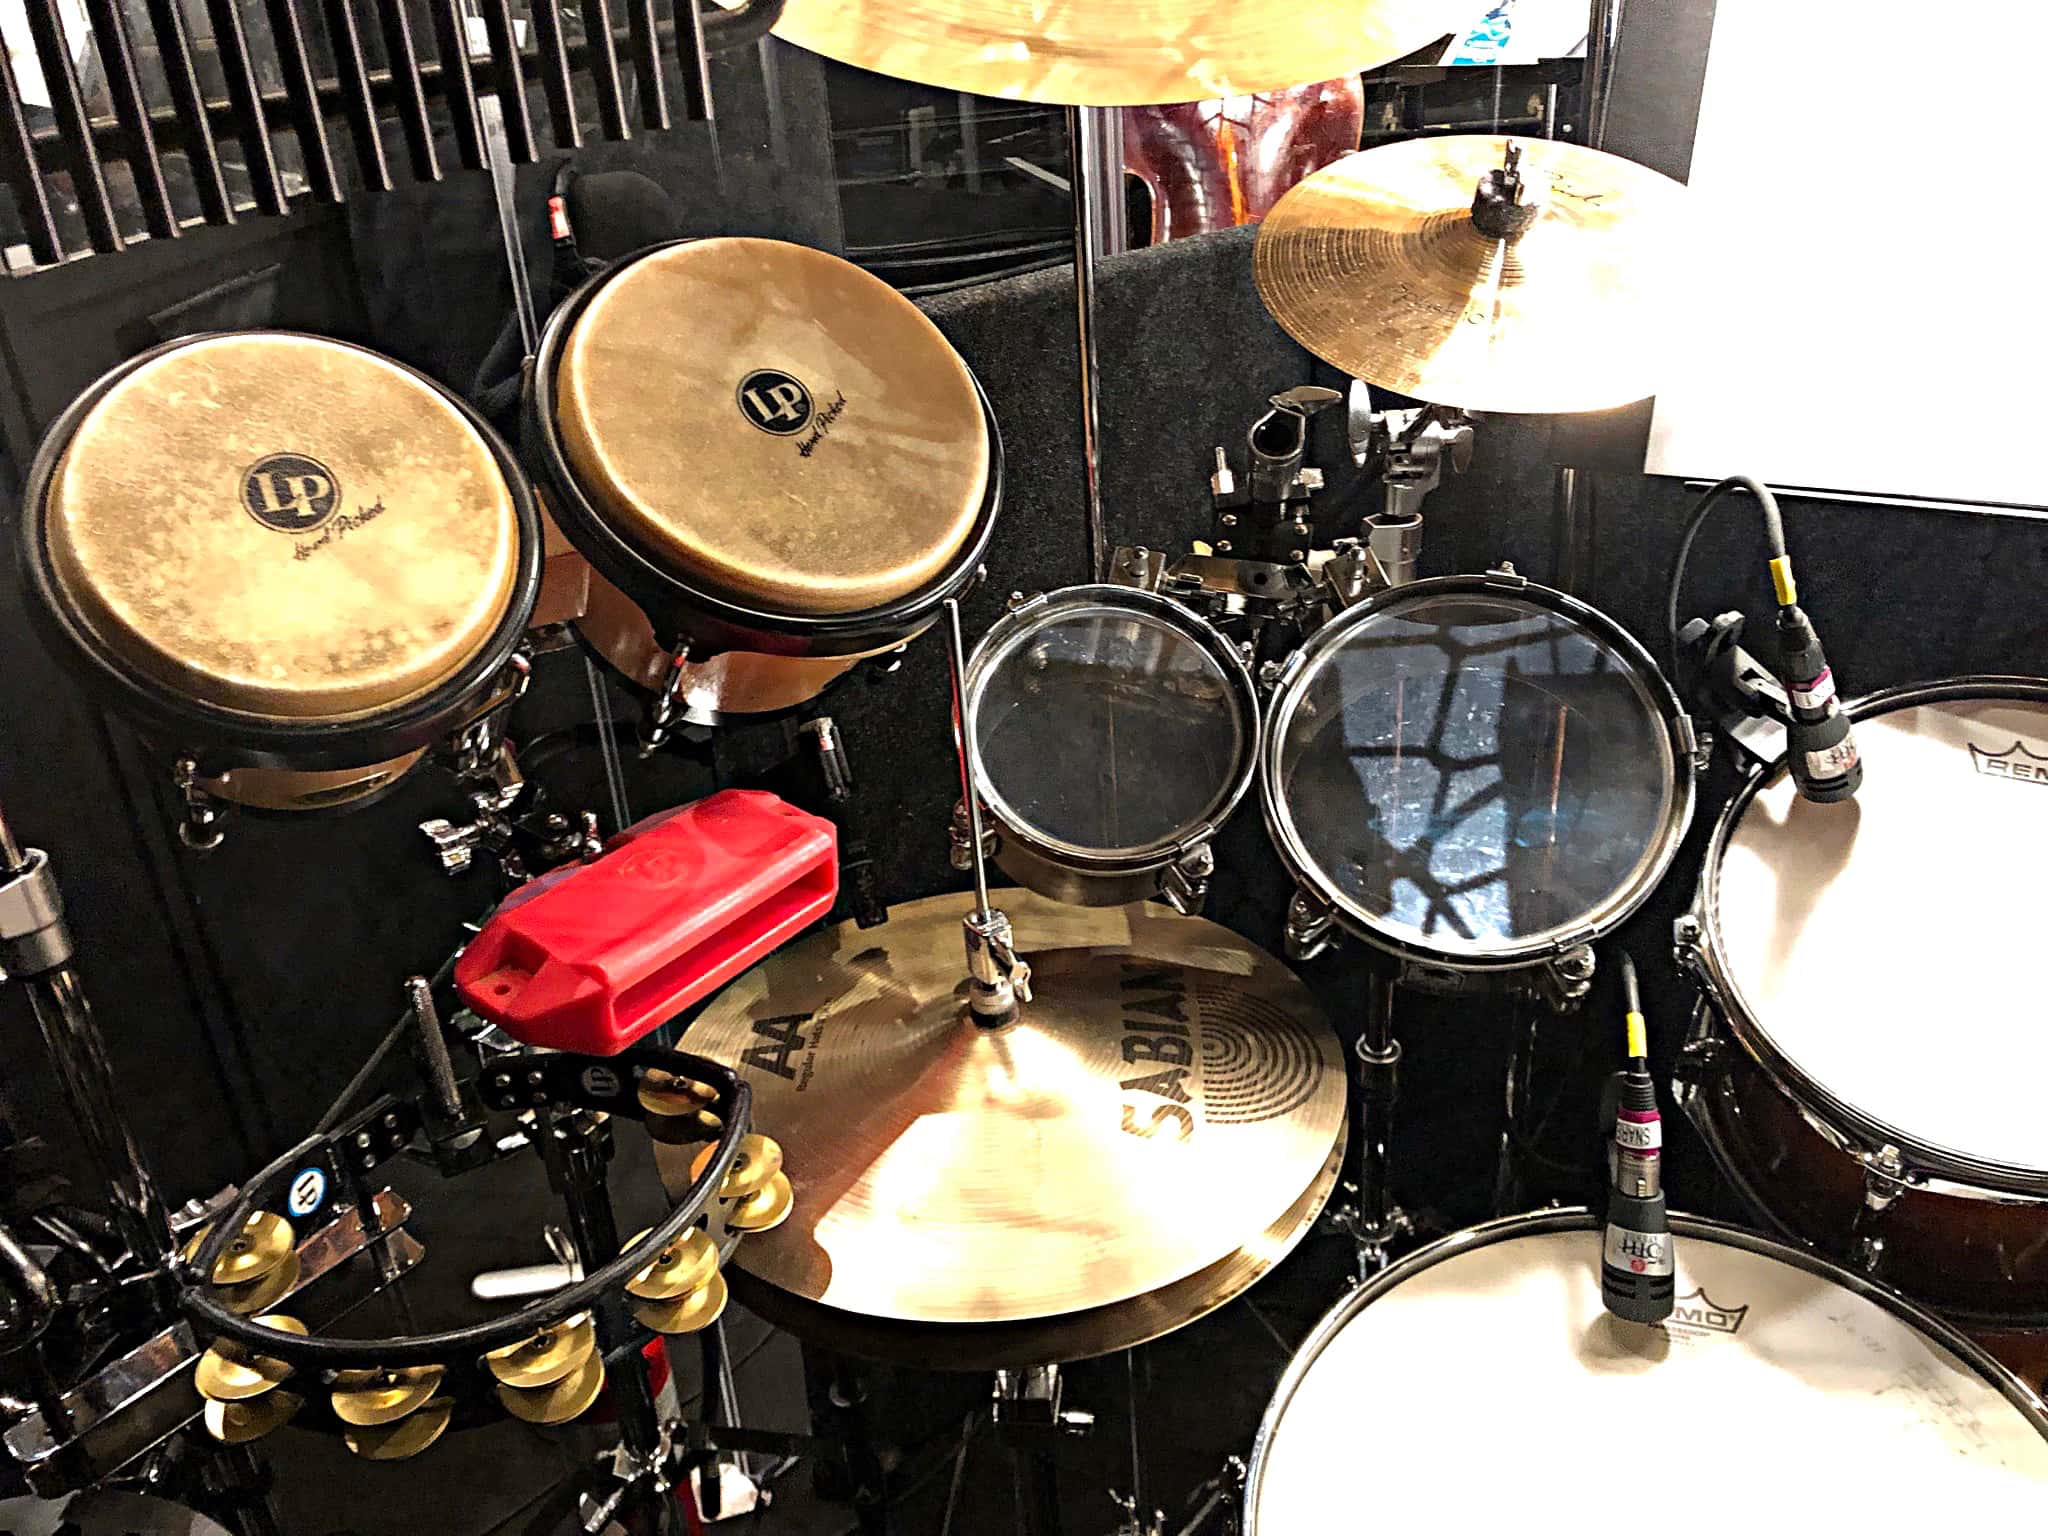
(1781, 1383)
(1868, 1069)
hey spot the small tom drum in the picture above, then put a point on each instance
(1869, 1070)
(1112, 732)
(292, 562)
(772, 462)
(1474, 773)
(1781, 1383)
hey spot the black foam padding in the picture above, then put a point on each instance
(614, 213)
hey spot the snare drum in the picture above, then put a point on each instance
(1869, 1069)
(1484, 1371)
(1113, 731)
(1473, 773)
(773, 462)
(293, 563)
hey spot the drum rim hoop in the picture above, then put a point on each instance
(1047, 606)
(1581, 1219)
(1615, 911)
(1708, 956)
(702, 616)
(230, 736)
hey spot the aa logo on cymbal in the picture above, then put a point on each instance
(775, 402)
(290, 492)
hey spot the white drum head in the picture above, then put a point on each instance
(1491, 1391)
(1889, 948)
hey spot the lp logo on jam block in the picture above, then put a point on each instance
(290, 492)
(775, 402)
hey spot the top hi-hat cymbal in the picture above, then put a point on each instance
(1130, 53)
(1381, 265)
(1166, 1095)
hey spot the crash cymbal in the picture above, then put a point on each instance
(547, 1357)
(559, 1402)
(266, 1291)
(1167, 1094)
(254, 1252)
(1132, 53)
(1072, 1336)
(765, 1209)
(229, 1373)
(670, 1093)
(407, 1437)
(757, 1162)
(677, 1270)
(1376, 264)
(239, 1423)
(685, 1314)
(369, 1398)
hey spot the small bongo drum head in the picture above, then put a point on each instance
(774, 424)
(282, 525)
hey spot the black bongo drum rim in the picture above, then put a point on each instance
(684, 609)
(1512, 955)
(221, 736)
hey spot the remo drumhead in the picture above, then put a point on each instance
(1881, 956)
(1476, 772)
(1485, 1370)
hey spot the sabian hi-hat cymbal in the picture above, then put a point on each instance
(384, 1396)
(678, 1269)
(229, 1372)
(252, 1253)
(239, 1423)
(548, 1356)
(689, 1313)
(560, 1401)
(405, 1438)
(1382, 265)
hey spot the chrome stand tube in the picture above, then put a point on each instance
(1603, 40)
(1094, 136)
(1381, 1223)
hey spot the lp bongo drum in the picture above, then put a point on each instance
(1481, 1385)
(1868, 1067)
(292, 563)
(773, 462)
(1474, 773)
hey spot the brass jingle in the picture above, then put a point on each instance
(686, 1314)
(229, 1373)
(758, 1161)
(368, 1398)
(239, 1423)
(670, 1093)
(255, 1251)
(258, 1295)
(407, 1438)
(683, 1130)
(764, 1211)
(561, 1402)
(680, 1268)
(548, 1356)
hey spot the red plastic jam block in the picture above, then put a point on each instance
(592, 957)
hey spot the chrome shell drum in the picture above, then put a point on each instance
(1474, 773)
(1838, 1402)
(1866, 1063)
(1113, 731)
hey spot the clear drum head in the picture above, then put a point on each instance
(1109, 725)
(1475, 776)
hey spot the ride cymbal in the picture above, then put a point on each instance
(384, 1396)
(230, 1373)
(685, 1314)
(252, 1253)
(559, 1402)
(405, 1438)
(265, 1291)
(548, 1356)
(1377, 265)
(239, 1423)
(1132, 53)
(756, 1163)
(1167, 1094)
(677, 1270)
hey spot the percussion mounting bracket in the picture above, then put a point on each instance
(1746, 703)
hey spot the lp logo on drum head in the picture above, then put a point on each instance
(775, 402)
(290, 492)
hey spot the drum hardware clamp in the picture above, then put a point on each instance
(513, 823)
